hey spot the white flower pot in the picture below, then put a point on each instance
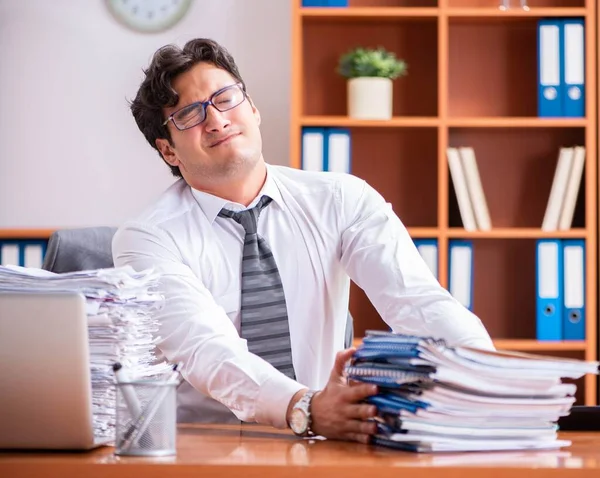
(370, 98)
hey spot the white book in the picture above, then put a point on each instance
(338, 152)
(460, 187)
(9, 254)
(473, 179)
(430, 256)
(34, 256)
(572, 189)
(312, 150)
(558, 190)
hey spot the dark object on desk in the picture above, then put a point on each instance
(581, 418)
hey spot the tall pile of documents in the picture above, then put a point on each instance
(432, 397)
(120, 306)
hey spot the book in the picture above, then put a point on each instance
(558, 190)
(572, 188)
(460, 187)
(475, 188)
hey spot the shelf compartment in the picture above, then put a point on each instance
(515, 5)
(325, 90)
(485, 77)
(504, 295)
(400, 165)
(504, 290)
(517, 169)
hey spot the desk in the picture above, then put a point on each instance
(251, 451)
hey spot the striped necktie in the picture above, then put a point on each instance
(264, 322)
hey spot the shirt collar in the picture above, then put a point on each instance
(211, 205)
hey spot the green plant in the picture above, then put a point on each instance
(371, 62)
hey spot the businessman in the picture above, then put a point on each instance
(256, 260)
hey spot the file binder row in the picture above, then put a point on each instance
(25, 253)
(560, 289)
(324, 3)
(561, 67)
(326, 149)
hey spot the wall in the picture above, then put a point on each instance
(70, 152)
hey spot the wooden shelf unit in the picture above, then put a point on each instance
(472, 81)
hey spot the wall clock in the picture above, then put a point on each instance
(148, 16)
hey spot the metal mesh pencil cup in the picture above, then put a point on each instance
(146, 418)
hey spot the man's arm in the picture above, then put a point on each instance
(380, 256)
(195, 330)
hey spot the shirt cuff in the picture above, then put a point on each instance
(274, 398)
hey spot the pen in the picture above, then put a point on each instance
(128, 392)
(129, 395)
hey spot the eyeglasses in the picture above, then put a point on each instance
(192, 115)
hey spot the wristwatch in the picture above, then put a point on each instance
(300, 417)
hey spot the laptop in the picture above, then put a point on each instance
(45, 398)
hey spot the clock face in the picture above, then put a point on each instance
(149, 15)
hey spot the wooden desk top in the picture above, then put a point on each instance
(250, 451)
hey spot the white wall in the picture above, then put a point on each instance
(70, 151)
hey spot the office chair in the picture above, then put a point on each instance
(71, 250)
(88, 248)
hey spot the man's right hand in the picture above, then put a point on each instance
(336, 410)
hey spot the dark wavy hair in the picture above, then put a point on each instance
(156, 92)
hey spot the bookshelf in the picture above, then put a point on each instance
(472, 80)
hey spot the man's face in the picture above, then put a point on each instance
(226, 145)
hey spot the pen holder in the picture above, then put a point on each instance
(146, 418)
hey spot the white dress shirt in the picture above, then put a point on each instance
(324, 229)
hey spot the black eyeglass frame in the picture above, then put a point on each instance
(206, 104)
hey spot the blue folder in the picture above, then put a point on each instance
(550, 67)
(573, 255)
(573, 71)
(549, 289)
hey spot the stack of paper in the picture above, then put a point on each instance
(120, 307)
(432, 397)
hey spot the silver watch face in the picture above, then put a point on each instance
(299, 421)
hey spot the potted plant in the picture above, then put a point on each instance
(370, 73)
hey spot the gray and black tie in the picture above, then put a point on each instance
(264, 322)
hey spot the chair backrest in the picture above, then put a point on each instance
(87, 248)
(81, 249)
